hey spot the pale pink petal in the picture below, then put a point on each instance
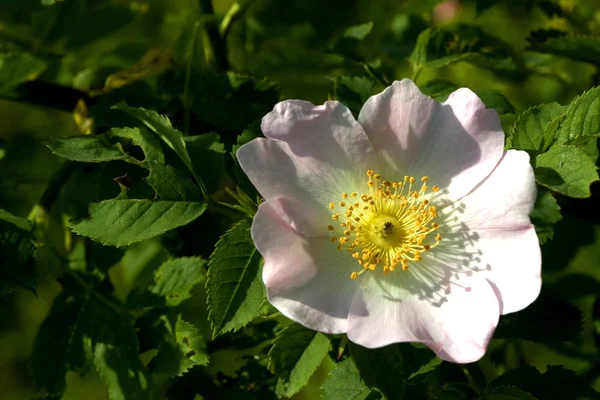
(455, 320)
(306, 278)
(456, 143)
(314, 155)
(504, 200)
(512, 262)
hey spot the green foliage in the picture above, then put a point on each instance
(123, 222)
(580, 48)
(545, 214)
(294, 357)
(353, 92)
(235, 291)
(344, 382)
(18, 67)
(533, 128)
(172, 283)
(567, 170)
(440, 89)
(509, 393)
(17, 250)
(91, 149)
(375, 367)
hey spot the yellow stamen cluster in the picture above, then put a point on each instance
(390, 226)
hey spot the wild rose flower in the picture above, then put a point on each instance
(408, 225)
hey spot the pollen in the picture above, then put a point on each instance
(391, 227)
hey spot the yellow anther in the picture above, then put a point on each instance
(345, 195)
(334, 239)
(356, 254)
(371, 183)
(435, 189)
(435, 226)
(424, 179)
(370, 172)
(342, 204)
(335, 217)
(353, 276)
(438, 237)
(331, 205)
(377, 176)
(426, 247)
(353, 194)
(347, 232)
(330, 227)
(411, 179)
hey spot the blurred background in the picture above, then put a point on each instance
(219, 66)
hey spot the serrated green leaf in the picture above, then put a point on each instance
(180, 347)
(419, 360)
(294, 357)
(580, 48)
(140, 137)
(161, 125)
(567, 170)
(549, 318)
(353, 92)
(173, 282)
(65, 341)
(582, 118)
(208, 157)
(17, 68)
(531, 128)
(123, 222)
(556, 383)
(117, 361)
(91, 149)
(172, 184)
(17, 249)
(545, 214)
(235, 290)
(344, 383)
(509, 393)
(377, 365)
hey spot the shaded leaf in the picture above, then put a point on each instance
(440, 89)
(294, 357)
(509, 393)
(575, 286)
(140, 137)
(172, 283)
(377, 365)
(545, 214)
(235, 290)
(353, 92)
(172, 184)
(123, 222)
(567, 170)
(344, 383)
(117, 361)
(17, 68)
(580, 48)
(17, 249)
(207, 154)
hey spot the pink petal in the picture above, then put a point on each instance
(455, 320)
(314, 154)
(505, 199)
(456, 143)
(306, 278)
(513, 264)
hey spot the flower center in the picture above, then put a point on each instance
(389, 226)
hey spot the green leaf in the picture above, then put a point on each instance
(531, 130)
(377, 365)
(180, 347)
(545, 214)
(419, 360)
(440, 89)
(358, 32)
(582, 118)
(567, 170)
(549, 318)
(235, 290)
(294, 357)
(17, 249)
(208, 157)
(440, 47)
(173, 283)
(580, 48)
(118, 363)
(140, 137)
(65, 341)
(344, 383)
(556, 383)
(123, 222)
(161, 125)
(17, 68)
(353, 92)
(172, 184)
(91, 149)
(509, 393)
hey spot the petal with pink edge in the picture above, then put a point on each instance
(456, 143)
(314, 155)
(307, 280)
(504, 199)
(455, 320)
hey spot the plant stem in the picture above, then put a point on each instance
(470, 379)
(211, 28)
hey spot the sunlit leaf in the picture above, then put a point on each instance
(344, 383)
(123, 222)
(294, 357)
(92, 149)
(532, 130)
